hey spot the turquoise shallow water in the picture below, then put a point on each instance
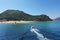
(21, 31)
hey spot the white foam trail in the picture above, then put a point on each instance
(39, 35)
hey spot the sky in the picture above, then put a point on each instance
(33, 7)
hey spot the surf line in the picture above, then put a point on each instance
(39, 35)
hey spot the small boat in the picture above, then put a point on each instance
(37, 32)
(32, 27)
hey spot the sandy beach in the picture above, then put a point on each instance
(7, 22)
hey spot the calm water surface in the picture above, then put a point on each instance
(21, 31)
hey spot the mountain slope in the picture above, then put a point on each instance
(15, 15)
(57, 18)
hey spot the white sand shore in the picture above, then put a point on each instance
(7, 22)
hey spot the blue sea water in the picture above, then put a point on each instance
(21, 31)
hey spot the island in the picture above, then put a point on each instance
(57, 19)
(16, 15)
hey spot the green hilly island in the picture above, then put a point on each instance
(20, 15)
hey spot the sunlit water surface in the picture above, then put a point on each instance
(21, 31)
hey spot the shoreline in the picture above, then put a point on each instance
(8, 22)
(13, 22)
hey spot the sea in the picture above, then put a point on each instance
(21, 31)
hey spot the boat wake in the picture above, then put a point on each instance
(39, 35)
